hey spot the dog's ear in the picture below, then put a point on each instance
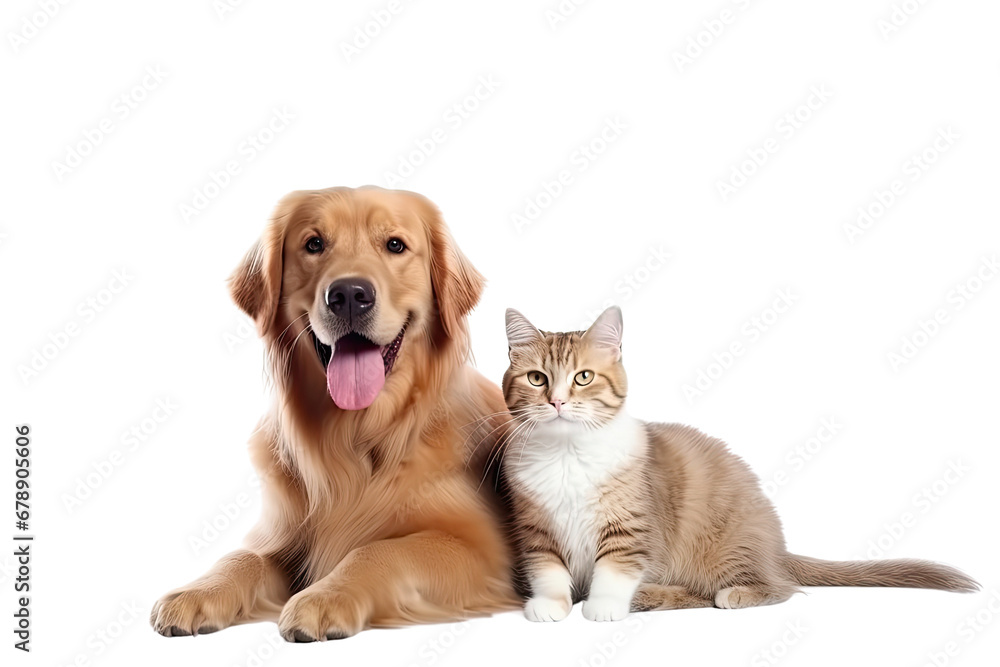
(255, 285)
(457, 284)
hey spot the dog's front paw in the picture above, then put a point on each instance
(543, 609)
(321, 614)
(198, 610)
(605, 608)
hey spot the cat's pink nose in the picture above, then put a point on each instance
(557, 404)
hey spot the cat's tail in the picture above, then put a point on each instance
(897, 573)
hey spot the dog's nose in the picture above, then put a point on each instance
(350, 298)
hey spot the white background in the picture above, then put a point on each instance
(171, 334)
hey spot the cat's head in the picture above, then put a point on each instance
(565, 382)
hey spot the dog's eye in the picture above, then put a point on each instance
(395, 245)
(537, 379)
(314, 245)
(583, 378)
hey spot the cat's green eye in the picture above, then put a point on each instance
(583, 378)
(537, 379)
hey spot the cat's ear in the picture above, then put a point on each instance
(519, 330)
(606, 331)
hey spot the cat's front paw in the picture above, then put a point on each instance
(543, 609)
(605, 608)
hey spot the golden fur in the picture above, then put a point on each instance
(371, 518)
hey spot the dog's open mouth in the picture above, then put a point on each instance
(356, 368)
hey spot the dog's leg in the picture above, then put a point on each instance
(424, 577)
(243, 586)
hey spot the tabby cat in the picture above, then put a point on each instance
(627, 515)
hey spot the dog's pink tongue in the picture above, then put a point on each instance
(356, 373)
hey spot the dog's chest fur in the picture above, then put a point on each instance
(567, 475)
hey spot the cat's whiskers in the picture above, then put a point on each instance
(502, 445)
(505, 442)
(490, 416)
(496, 454)
(484, 439)
(512, 414)
(524, 442)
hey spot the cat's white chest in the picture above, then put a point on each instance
(565, 472)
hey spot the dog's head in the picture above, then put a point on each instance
(358, 276)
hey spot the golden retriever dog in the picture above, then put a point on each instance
(374, 513)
